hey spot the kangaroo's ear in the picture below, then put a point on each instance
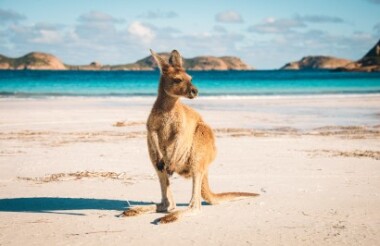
(175, 59)
(161, 63)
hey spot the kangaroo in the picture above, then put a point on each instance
(179, 141)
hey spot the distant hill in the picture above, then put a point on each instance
(316, 62)
(197, 63)
(32, 61)
(215, 63)
(369, 63)
(44, 61)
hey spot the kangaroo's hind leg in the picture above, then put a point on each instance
(167, 202)
(203, 152)
(194, 205)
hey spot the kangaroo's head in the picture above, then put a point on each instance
(174, 80)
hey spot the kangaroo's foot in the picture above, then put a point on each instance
(176, 215)
(169, 218)
(138, 210)
(134, 211)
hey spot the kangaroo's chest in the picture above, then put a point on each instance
(175, 134)
(171, 127)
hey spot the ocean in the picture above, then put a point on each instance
(210, 83)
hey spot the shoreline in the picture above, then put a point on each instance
(258, 113)
(202, 97)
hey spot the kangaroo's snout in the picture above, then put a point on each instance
(193, 92)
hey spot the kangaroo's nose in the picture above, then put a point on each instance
(194, 92)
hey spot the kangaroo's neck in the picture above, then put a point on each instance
(165, 102)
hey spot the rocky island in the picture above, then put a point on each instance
(44, 61)
(32, 61)
(369, 63)
(316, 62)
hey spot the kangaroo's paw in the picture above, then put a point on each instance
(160, 165)
(170, 169)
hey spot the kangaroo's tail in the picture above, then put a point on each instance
(213, 198)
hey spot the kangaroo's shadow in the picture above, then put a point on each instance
(62, 205)
(59, 204)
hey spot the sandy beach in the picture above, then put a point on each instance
(69, 166)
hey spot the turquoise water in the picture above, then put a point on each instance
(210, 83)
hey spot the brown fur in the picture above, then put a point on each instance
(179, 141)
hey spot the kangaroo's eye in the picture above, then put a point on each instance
(177, 80)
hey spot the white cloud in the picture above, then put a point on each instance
(48, 37)
(97, 16)
(272, 25)
(220, 29)
(10, 16)
(319, 18)
(159, 15)
(229, 17)
(96, 26)
(141, 31)
(38, 33)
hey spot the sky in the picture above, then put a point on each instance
(266, 34)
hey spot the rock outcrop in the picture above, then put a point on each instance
(369, 63)
(32, 61)
(316, 62)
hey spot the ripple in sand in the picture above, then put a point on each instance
(55, 177)
(355, 153)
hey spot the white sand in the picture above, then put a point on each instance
(318, 187)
